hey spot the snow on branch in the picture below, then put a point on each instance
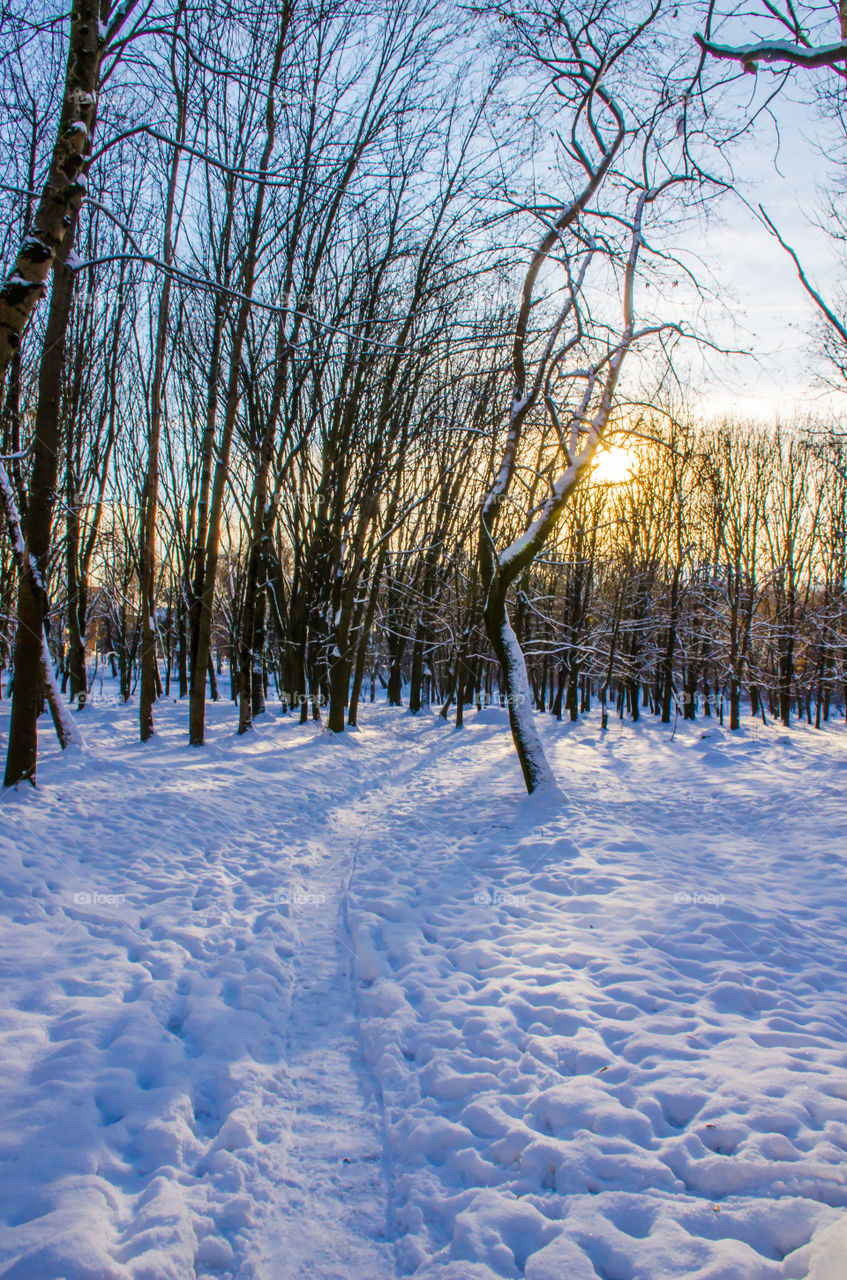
(778, 51)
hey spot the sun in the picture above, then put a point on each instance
(613, 465)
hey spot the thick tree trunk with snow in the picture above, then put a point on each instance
(364, 640)
(344, 613)
(44, 249)
(28, 687)
(339, 687)
(58, 209)
(536, 771)
(500, 570)
(63, 722)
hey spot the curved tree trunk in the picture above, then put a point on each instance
(536, 771)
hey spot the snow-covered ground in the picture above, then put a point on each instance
(350, 1009)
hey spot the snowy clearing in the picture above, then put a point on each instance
(301, 1006)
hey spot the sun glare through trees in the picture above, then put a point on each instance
(614, 465)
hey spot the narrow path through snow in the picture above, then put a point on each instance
(330, 1211)
(182, 1093)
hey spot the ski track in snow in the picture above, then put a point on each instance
(302, 1007)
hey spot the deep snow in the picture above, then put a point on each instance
(295, 1006)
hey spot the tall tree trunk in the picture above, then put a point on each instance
(150, 505)
(416, 680)
(28, 687)
(77, 604)
(207, 450)
(51, 239)
(251, 693)
(206, 594)
(670, 649)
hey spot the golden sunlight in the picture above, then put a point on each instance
(613, 465)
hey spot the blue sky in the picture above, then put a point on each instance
(766, 308)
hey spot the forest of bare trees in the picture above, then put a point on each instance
(339, 344)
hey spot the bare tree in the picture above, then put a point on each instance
(579, 398)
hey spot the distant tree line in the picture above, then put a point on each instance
(709, 579)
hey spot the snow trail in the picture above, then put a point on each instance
(332, 1193)
(183, 1096)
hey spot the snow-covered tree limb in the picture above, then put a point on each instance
(783, 52)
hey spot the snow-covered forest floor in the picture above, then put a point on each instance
(345, 1009)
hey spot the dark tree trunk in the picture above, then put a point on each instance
(27, 695)
(416, 681)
